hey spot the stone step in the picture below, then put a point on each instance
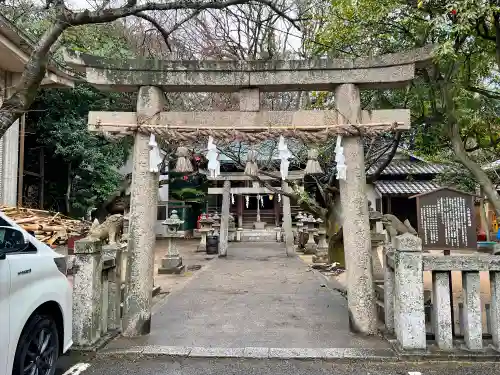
(258, 236)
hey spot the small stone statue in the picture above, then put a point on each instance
(110, 230)
(395, 227)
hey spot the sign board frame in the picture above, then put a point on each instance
(435, 194)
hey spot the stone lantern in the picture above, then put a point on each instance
(231, 229)
(216, 224)
(205, 228)
(310, 246)
(172, 262)
(322, 248)
(304, 234)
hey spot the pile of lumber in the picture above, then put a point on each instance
(49, 227)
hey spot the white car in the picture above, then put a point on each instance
(35, 303)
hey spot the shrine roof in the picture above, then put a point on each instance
(402, 187)
(391, 70)
(400, 167)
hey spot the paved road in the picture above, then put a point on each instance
(256, 297)
(169, 366)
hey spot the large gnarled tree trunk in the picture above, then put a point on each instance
(461, 154)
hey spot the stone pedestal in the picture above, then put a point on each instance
(172, 262)
(278, 234)
(259, 225)
(239, 231)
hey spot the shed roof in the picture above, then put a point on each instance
(15, 49)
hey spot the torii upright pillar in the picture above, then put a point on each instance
(142, 237)
(356, 226)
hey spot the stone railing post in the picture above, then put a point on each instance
(409, 310)
(472, 318)
(495, 308)
(389, 281)
(115, 276)
(87, 292)
(441, 309)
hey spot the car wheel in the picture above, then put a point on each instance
(38, 348)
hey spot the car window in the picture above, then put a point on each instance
(10, 244)
(11, 240)
(4, 223)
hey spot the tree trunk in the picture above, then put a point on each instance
(67, 196)
(496, 21)
(461, 155)
(34, 72)
(336, 247)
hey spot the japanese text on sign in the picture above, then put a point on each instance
(449, 219)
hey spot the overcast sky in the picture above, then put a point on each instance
(293, 41)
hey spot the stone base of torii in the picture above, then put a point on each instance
(345, 77)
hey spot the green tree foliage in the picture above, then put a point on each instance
(86, 164)
(454, 100)
(81, 167)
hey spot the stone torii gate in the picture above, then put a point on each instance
(153, 78)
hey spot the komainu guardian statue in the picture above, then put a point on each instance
(108, 231)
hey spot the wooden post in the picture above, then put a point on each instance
(20, 182)
(224, 227)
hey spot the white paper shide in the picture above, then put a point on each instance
(284, 155)
(155, 158)
(340, 160)
(213, 159)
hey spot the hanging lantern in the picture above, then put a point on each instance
(232, 198)
(284, 155)
(279, 197)
(247, 200)
(271, 197)
(251, 168)
(183, 162)
(340, 160)
(213, 159)
(312, 166)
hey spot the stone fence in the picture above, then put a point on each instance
(407, 313)
(98, 291)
